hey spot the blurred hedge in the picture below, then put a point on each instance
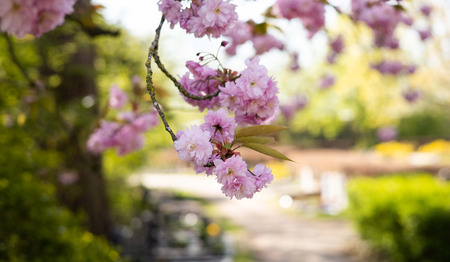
(405, 217)
(33, 226)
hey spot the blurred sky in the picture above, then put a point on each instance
(141, 17)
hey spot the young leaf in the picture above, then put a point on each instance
(258, 130)
(267, 151)
(255, 139)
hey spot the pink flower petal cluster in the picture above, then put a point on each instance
(209, 152)
(117, 97)
(263, 176)
(411, 95)
(311, 13)
(211, 17)
(289, 109)
(240, 32)
(424, 34)
(101, 139)
(326, 81)
(393, 67)
(336, 46)
(36, 17)
(382, 17)
(125, 134)
(253, 96)
(193, 145)
(220, 126)
(239, 182)
(387, 133)
(264, 43)
(200, 81)
(171, 10)
(426, 10)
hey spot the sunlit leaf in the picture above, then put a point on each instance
(255, 139)
(267, 151)
(259, 130)
(260, 29)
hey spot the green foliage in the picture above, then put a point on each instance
(405, 217)
(266, 151)
(33, 226)
(255, 139)
(259, 130)
(250, 138)
(426, 123)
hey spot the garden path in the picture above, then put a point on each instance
(272, 233)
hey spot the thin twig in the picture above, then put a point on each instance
(154, 53)
(150, 85)
(15, 60)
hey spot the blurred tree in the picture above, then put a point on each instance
(61, 107)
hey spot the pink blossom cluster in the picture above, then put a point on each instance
(208, 149)
(393, 67)
(251, 95)
(336, 47)
(289, 109)
(387, 133)
(240, 32)
(202, 17)
(382, 18)
(411, 95)
(311, 13)
(200, 81)
(326, 81)
(20, 17)
(125, 133)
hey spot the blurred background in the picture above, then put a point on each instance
(371, 151)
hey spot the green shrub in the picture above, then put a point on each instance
(405, 217)
(35, 228)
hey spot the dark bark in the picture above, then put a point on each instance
(91, 197)
(78, 80)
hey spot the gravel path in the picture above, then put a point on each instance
(272, 233)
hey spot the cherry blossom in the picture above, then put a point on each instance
(387, 133)
(229, 170)
(220, 125)
(311, 12)
(263, 176)
(326, 81)
(193, 145)
(393, 67)
(411, 95)
(21, 17)
(117, 97)
(101, 139)
(210, 18)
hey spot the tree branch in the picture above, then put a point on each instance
(161, 66)
(15, 60)
(150, 85)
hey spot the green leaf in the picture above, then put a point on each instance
(258, 130)
(255, 139)
(260, 29)
(267, 151)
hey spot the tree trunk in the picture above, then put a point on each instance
(77, 119)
